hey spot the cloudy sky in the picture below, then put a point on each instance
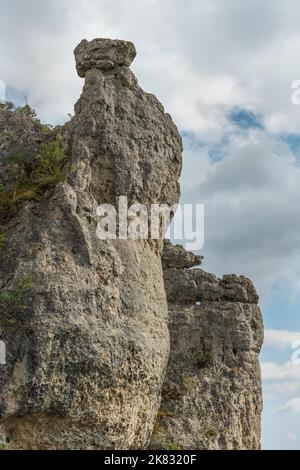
(224, 69)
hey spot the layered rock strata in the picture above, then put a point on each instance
(212, 397)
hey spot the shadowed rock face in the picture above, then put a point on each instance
(212, 396)
(177, 257)
(88, 347)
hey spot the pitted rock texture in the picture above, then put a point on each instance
(87, 347)
(17, 133)
(130, 145)
(103, 54)
(177, 257)
(212, 397)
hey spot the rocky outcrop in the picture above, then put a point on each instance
(18, 133)
(175, 256)
(212, 396)
(85, 320)
(103, 54)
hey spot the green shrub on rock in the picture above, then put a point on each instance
(31, 174)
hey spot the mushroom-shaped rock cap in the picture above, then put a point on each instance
(103, 54)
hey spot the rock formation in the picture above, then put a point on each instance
(86, 321)
(212, 396)
(87, 352)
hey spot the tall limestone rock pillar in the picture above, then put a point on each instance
(88, 347)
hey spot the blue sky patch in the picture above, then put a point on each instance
(245, 119)
(293, 141)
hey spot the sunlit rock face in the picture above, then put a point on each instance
(88, 345)
(86, 321)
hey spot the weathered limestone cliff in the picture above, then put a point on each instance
(212, 396)
(88, 345)
(86, 321)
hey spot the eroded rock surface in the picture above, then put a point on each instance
(88, 342)
(212, 396)
(86, 321)
(103, 54)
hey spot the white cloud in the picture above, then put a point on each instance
(291, 436)
(196, 56)
(280, 339)
(2, 91)
(292, 406)
(285, 389)
(251, 204)
(272, 371)
(200, 59)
